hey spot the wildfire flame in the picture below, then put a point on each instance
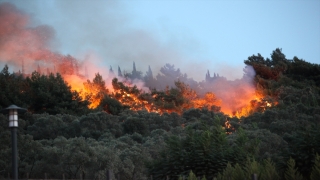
(29, 47)
(132, 97)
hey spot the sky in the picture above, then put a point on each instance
(193, 35)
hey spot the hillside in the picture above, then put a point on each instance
(267, 122)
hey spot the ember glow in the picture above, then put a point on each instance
(29, 49)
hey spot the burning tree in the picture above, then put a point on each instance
(95, 91)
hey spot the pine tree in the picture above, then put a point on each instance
(251, 167)
(269, 171)
(292, 173)
(315, 174)
(203, 178)
(227, 173)
(192, 176)
(239, 173)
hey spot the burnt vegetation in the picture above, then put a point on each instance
(167, 131)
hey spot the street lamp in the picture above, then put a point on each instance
(13, 111)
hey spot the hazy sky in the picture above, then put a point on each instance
(194, 35)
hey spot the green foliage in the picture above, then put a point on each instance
(12, 89)
(269, 171)
(292, 173)
(59, 134)
(303, 71)
(234, 173)
(132, 125)
(302, 147)
(52, 95)
(251, 167)
(315, 173)
(245, 145)
(269, 69)
(95, 125)
(192, 176)
(205, 152)
(40, 93)
(112, 105)
(47, 127)
(265, 171)
(5, 150)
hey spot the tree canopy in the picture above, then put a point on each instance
(168, 131)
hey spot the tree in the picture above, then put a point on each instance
(30, 154)
(264, 171)
(269, 171)
(205, 152)
(77, 156)
(292, 172)
(132, 125)
(5, 150)
(174, 99)
(135, 74)
(12, 88)
(168, 77)
(52, 95)
(112, 105)
(149, 80)
(94, 125)
(129, 96)
(47, 127)
(302, 147)
(95, 90)
(315, 173)
(303, 71)
(268, 69)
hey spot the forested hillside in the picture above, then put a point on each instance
(268, 125)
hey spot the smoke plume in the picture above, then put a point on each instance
(27, 45)
(27, 48)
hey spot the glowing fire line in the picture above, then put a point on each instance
(136, 104)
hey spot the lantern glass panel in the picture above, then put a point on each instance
(13, 118)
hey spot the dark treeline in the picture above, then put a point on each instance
(60, 135)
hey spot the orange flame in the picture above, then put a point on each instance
(136, 102)
(30, 47)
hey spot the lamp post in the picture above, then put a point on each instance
(13, 111)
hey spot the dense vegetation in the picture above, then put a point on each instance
(60, 135)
